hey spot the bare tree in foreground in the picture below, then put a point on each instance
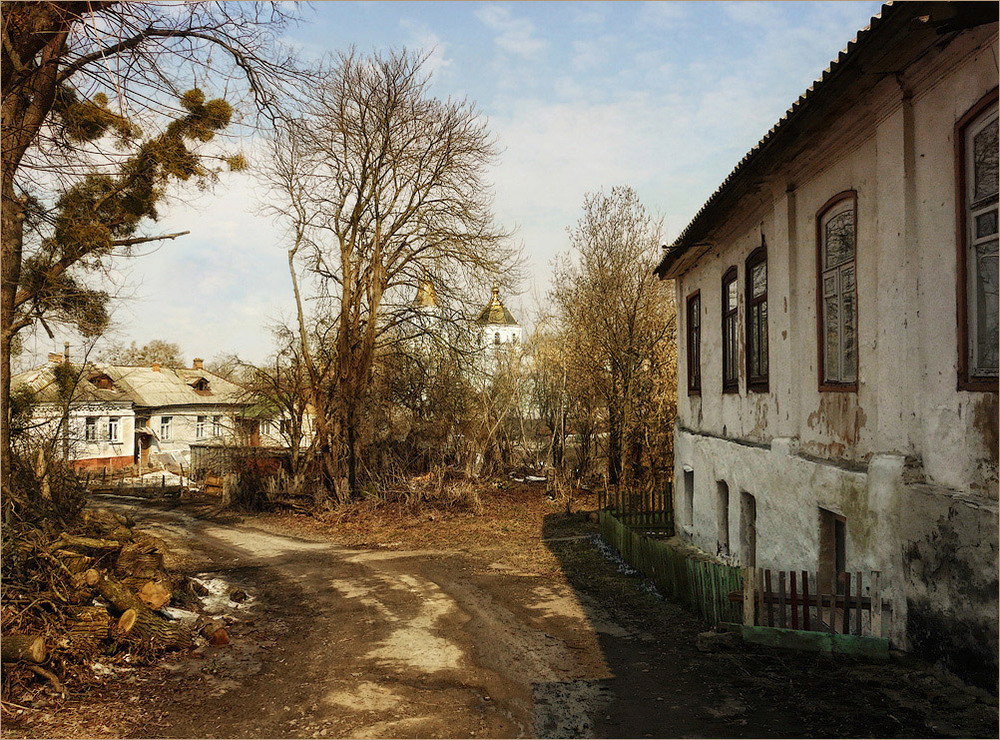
(381, 186)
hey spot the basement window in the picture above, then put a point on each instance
(832, 546)
(689, 498)
(722, 516)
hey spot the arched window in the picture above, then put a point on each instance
(730, 335)
(838, 312)
(694, 343)
(756, 298)
(976, 141)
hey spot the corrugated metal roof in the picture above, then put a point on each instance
(681, 243)
(142, 386)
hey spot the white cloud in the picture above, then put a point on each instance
(428, 42)
(515, 36)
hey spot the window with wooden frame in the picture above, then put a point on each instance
(694, 343)
(756, 297)
(730, 333)
(836, 228)
(976, 157)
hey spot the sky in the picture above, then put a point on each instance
(666, 97)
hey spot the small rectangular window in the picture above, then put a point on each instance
(91, 429)
(115, 429)
(199, 427)
(730, 334)
(694, 343)
(165, 427)
(722, 516)
(689, 498)
(216, 426)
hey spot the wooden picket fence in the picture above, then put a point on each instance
(649, 509)
(701, 585)
(801, 600)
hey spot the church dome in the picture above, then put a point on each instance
(495, 313)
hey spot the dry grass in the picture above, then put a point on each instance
(499, 519)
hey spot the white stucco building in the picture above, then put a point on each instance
(838, 334)
(122, 415)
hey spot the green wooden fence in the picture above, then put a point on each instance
(701, 585)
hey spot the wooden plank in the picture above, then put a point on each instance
(793, 591)
(857, 605)
(805, 599)
(759, 596)
(847, 604)
(876, 599)
(781, 599)
(833, 603)
(768, 599)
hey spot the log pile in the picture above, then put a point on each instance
(69, 596)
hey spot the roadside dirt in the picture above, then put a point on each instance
(507, 624)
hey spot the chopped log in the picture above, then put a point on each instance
(154, 594)
(22, 648)
(87, 543)
(89, 625)
(139, 561)
(92, 577)
(152, 629)
(147, 627)
(221, 637)
(125, 623)
(209, 629)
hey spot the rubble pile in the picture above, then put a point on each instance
(93, 588)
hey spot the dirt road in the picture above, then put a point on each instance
(349, 642)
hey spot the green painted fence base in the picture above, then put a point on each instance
(818, 642)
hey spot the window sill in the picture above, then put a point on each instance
(836, 388)
(733, 389)
(759, 387)
(694, 392)
(979, 385)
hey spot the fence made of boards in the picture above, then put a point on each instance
(649, 508)
(839, 603)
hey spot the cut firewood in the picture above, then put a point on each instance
(22, 648)
(88, 543)
(209, 629)
(221, 637)
(125, 622)
(92, 577)
(154, 594)
(147, 627)
(89, 625)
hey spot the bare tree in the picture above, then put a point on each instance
(81, 82)
(382, 187)
(617, 320)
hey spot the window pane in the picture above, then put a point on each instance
(762, 364)
(831, 316)
(985, 154)
(840, 238)
(731, 296)
(986, 224)
(987, 325)
(758, 278)
(753, 340)
(849, 338)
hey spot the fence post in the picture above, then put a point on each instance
(876, 597)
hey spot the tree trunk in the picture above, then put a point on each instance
(614, 445)
(23, 648)
(147, 627)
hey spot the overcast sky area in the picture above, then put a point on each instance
(664, 96)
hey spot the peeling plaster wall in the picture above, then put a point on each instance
(909, 460)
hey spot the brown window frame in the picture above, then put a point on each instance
(730, 385)
(758, 383)
(694, 354)
(967, 382)
(824, 384)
